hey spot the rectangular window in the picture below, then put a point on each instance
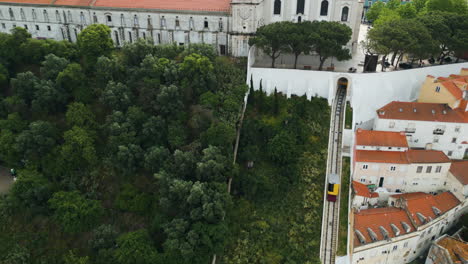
(419, 169)
(222, 49)
(405, 244)
(415, 183)
(436, 140)
(26, 27)
(454, 140)
(177, 23)
(437, 89)
(206, 24)
(457, 129)
(3, 25)
(395, 248)
(363, 179)
(391, 124)
(300, 6)
(109, 18)
(37, 27)
(428, 169)
(48, 28)
(438, 169)
(449, 153)
(392, 168)
(365, 166)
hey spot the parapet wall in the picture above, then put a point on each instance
(367, 92)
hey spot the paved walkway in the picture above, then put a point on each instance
(5, 180)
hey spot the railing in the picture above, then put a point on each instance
(410, 130)
(438, 132)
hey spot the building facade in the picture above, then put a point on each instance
(402, 231)
(427, 126)
(225, 24)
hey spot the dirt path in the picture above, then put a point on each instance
(5, 180)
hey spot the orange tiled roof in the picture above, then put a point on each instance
(362, 190)
(397, 157)
(424, 112)
(453, 89)
(40, 2)
(426, 156)
(380, 138)
(459, 169)
(409, 195)
(189, 5)
(425, 205)
(195, 5)
(458, 250)
(380, 217)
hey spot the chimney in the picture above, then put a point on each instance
(444, 112)
(414, 110)
(401, 109)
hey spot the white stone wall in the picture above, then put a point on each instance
(393, 179)
(456, 187)
(423, 137)
(424, 181)
(368, 91)
(127, 25)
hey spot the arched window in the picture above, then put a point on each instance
(12, 15)
(277, 7)
(324, 8)
(95, 19)
(221, 25)
(122, 22)
(70, 18)
(23, 16)
(34, 16)
(46, 16)
(177, 22)
(82, 18)
(191, 23)
(344, 13)
(205, 23)
(163, 22)
(57, 16)
(135, 20)
(300, 6)
(150, 23)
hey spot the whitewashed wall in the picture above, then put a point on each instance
(367, 91)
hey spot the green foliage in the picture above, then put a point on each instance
(132, 200)
(375, 10)
(31, 191)
(104, 237)
(95, 41)
(71, 80)
(36, 141)
(80, 115)
(220, 135)
(330, 39)
(271, 39)
(73, 212)
(453, 6)
(71, 258)
(282, 148)
(155, 158)
(136, 248)
(24, 86)
(18, 255)
(52, 66)
(78, 151)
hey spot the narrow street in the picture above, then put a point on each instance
(330, 218)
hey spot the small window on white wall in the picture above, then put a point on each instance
(163, 22)
(57, 16)
(365, 166)
(391, 124)
(344, 14)
(23, 16)
(437, 89)
(191, 23)
(392, 168)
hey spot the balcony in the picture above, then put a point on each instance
(410, 130)
(438, 131)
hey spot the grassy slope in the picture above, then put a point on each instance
(343, 228)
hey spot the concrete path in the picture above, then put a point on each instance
(5, 180)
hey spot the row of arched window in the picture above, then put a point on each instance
(301, 5)
(68, 19)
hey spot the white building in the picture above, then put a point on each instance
(427, 126)
(457, 180)
(400, 233)
(362, 197)
(225, 24)
(383, 159)
(449, 249)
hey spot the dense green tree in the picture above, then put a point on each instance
(198, 73)
(213, 166)
(79, 114)
(271, 39)
(128, 158)
(18, 255)
(155, 158)
(407, 10)
(282, 148)
(24, 86)
(133, 200)
(72, 80)
(330, 39)
(31, 191)
(48, 98)
(73, 212)
(170, 100)
(104, 237)
(78, 150)
(71, 258)
(4, 75)
(298, 39)
(221, 135)
(52, 66)
(117, 96)
(95, 41)
(452, 6)
(375, 11)
(136, 248)
(36, 141)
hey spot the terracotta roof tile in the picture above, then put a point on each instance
(74, 2)
(410, 195)
(453, 89)
(194, 5)
(424, 112)
(424, 205)
(397, 157)
(362, 190)
(459, 169)
(427, 156)
(376, 217)
(380, 138)
(458, 250)
(38, 2)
